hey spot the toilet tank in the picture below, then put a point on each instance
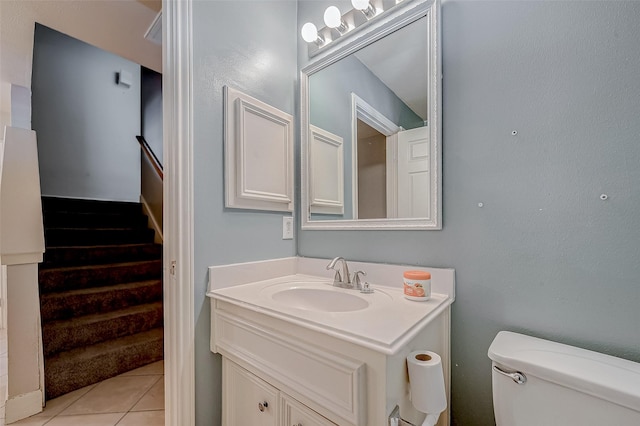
(561, 385)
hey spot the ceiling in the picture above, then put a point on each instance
(155, 5)
(399, 60)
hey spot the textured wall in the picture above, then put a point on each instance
(545, 255)
(251, 46)
(86, 123)
(116, 26)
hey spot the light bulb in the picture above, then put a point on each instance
(365, 7)
(332, 17)
(309, 32)
(360, 4)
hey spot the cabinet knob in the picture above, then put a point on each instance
(262, 406)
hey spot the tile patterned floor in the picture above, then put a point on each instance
(135, 398)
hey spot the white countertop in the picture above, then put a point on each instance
(386, 325)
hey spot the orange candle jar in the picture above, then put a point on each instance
(417, 285)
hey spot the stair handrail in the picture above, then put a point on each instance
(148, 152)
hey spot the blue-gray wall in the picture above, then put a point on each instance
(330, 109)
(251, 46)
(20, 107)
(545, 255)
(86, 124)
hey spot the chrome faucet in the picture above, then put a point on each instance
(343, 278)
(340, 279)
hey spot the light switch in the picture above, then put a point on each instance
(124, 78)
(287, 227)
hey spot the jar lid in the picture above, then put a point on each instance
(417, 275)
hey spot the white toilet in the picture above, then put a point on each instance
(541, 383)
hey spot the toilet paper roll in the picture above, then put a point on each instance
(426, 380)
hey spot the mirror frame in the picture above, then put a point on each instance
(392, 20)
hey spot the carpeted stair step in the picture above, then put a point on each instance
(77, 277)
(99, 255)
(76, 205)
(96, 236)
(100, 292)
(65, 335)
(65, 219)
(76, 303)
(71, 370)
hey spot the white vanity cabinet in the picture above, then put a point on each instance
(317, 354)
(249, 400)
(311, 375)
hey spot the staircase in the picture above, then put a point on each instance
(100, 292)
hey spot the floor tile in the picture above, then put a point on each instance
(143, 418)
(52, 408)
(115, 395)
(55, 406)
(110, 419)
(153, 368)
(30, 421)
(153, 399)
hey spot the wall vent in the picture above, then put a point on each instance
(154, 33)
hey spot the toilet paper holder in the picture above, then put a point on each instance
(396, 420)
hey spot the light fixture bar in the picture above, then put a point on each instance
(338, 24)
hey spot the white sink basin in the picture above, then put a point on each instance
(383, 320)
(320, 299)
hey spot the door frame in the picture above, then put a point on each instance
(178, 268)
(363, 111)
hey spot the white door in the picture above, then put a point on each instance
(413, 173)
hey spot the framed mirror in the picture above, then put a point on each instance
(371, 125)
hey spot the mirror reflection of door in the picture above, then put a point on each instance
(393, 173)
(413, 173)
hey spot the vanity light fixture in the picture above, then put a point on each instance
(365, 7)
(333, 19)
(310, 34)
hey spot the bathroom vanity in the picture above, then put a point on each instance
(298, 350)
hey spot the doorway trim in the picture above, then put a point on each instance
(363, 111)
(178, 274)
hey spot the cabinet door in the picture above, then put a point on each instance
(246, 399)
(295, 413)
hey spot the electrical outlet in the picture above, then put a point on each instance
(287, 227)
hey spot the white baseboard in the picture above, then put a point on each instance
(154, 223)
(22, 406)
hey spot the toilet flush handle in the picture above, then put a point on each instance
(516, 376)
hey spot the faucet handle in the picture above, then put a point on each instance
(356, 279)
(366, 288)
(357, 283)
